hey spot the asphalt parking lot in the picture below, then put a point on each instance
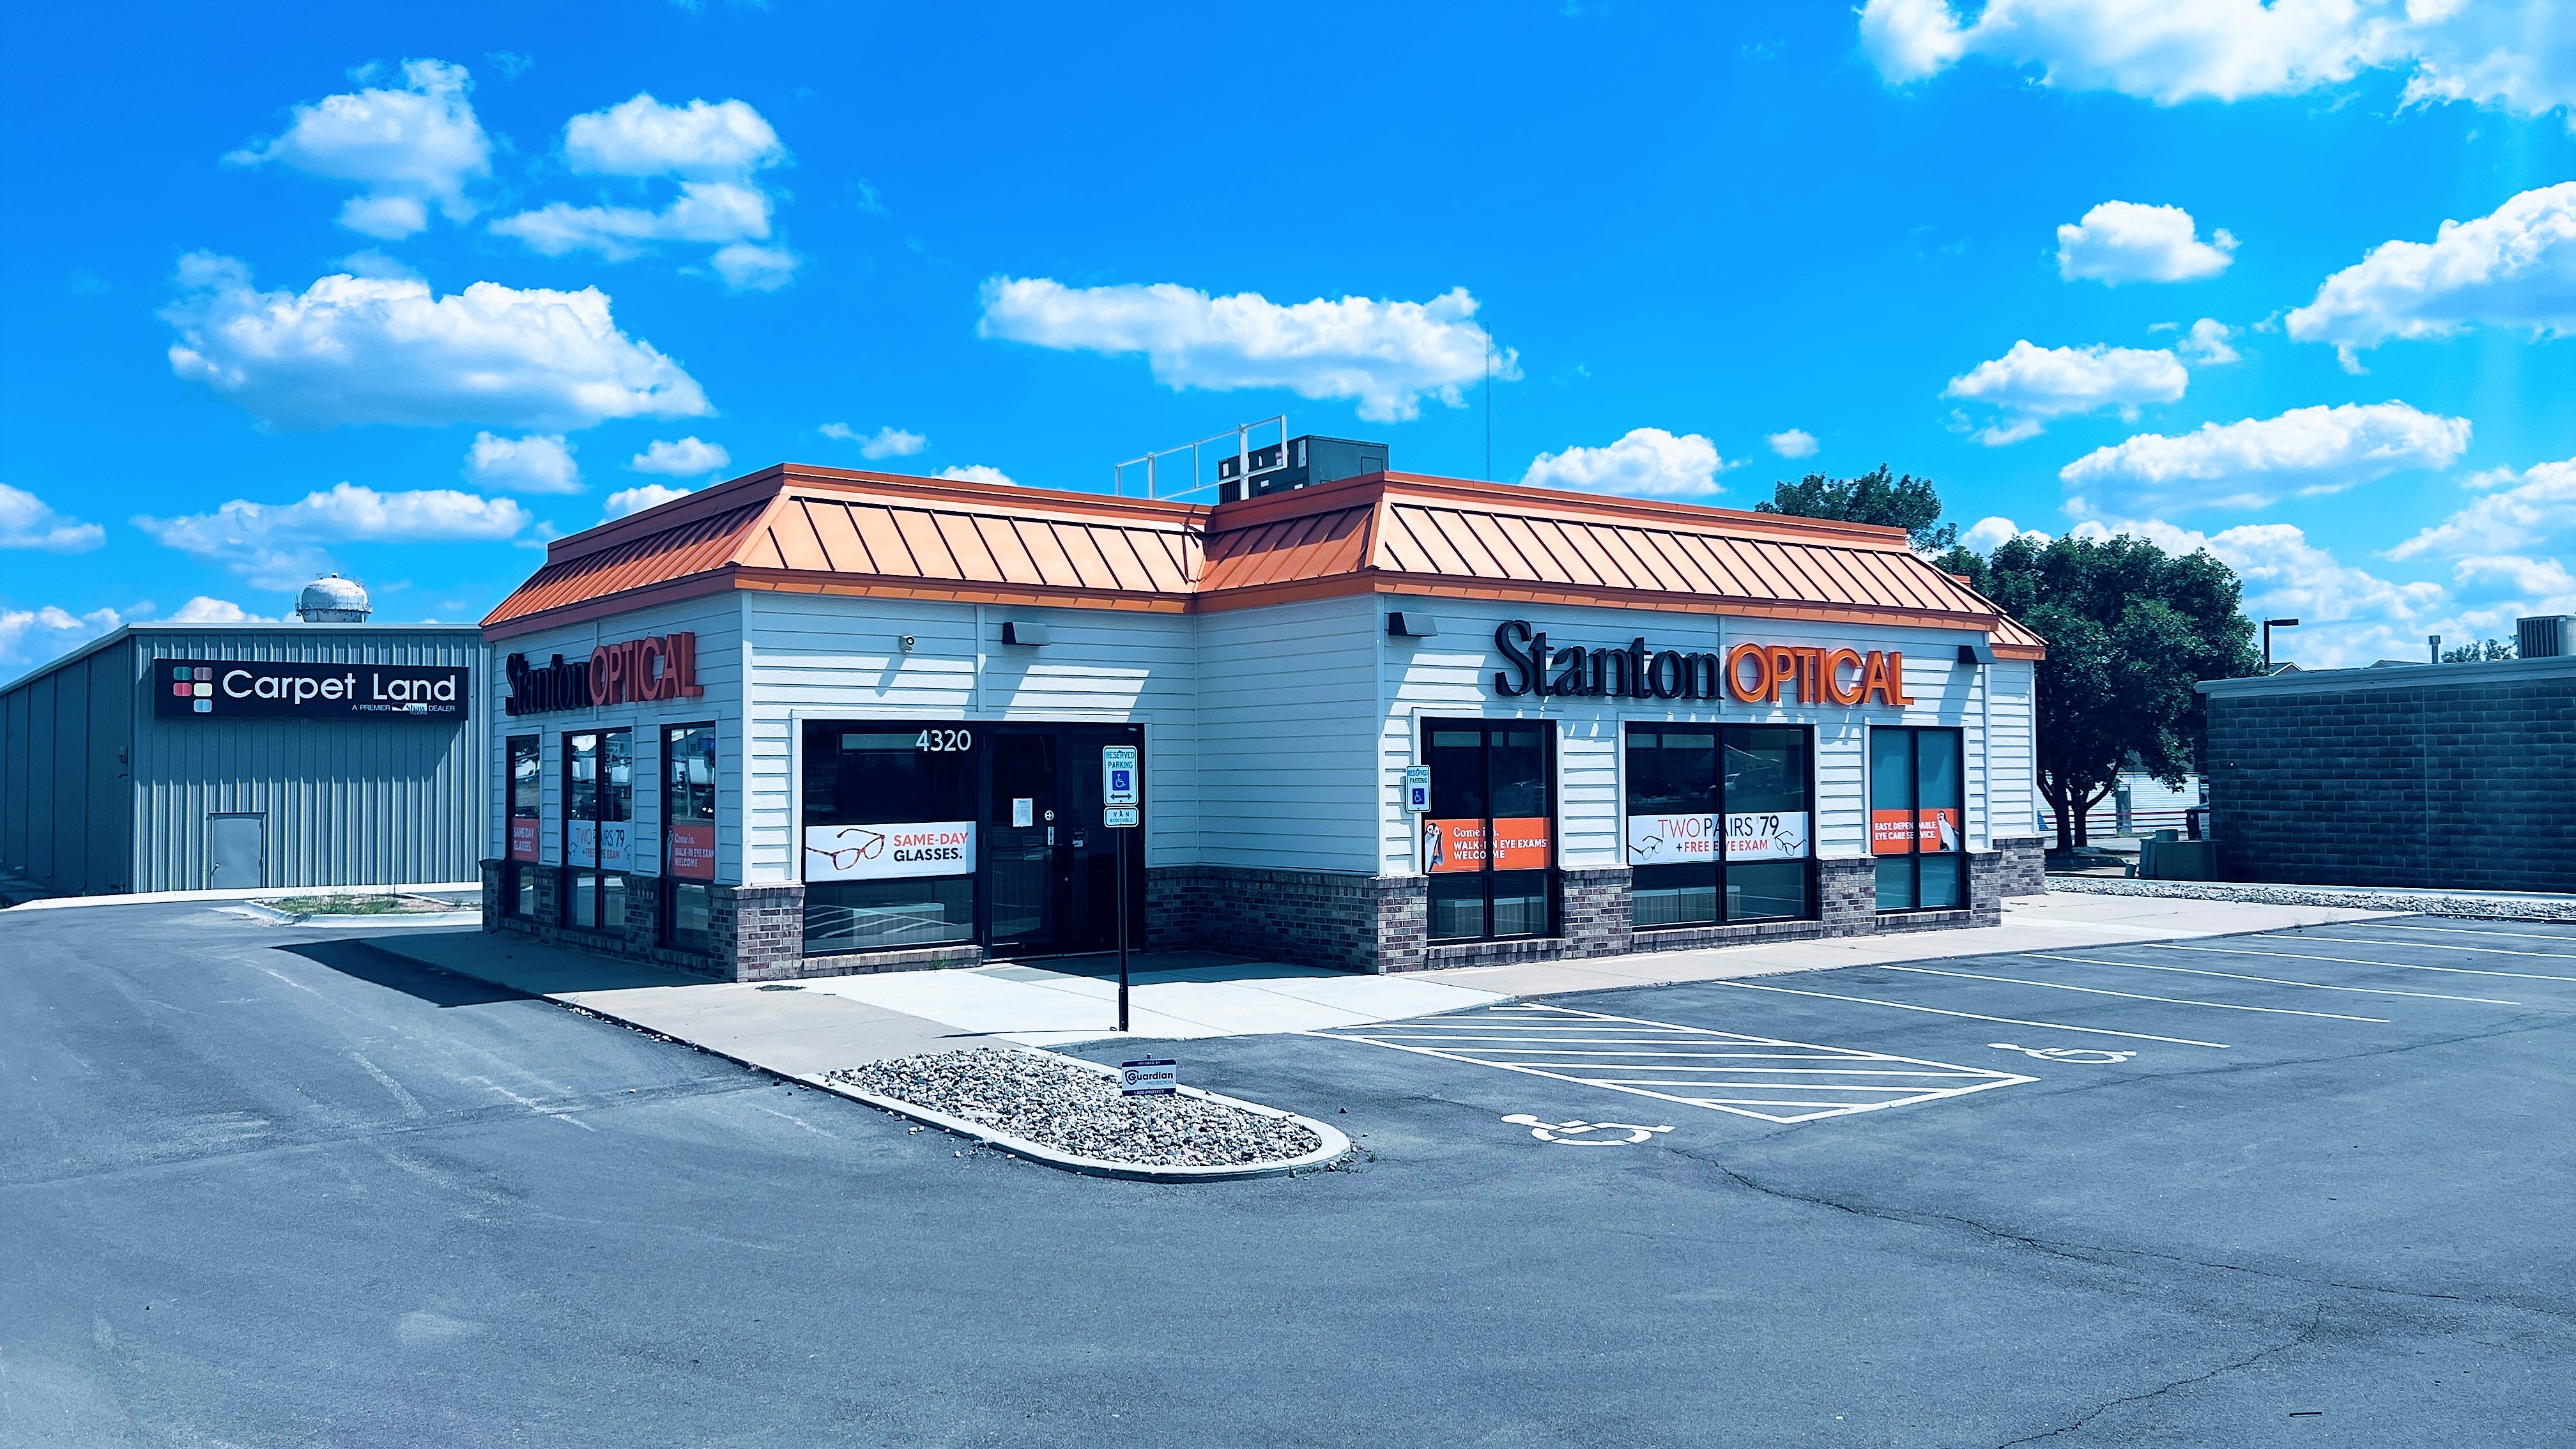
(2303, 1188)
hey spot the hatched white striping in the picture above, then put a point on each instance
(1535, 1040)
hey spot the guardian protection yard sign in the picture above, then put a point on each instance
(259, 689)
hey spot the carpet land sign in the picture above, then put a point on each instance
(247, 689)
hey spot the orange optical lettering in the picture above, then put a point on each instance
(1835, 663)
(1784, 671)
(1762, 685)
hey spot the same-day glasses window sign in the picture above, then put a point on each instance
(1720, 823)
(1488, 841)
(1918, 818)
(888, 835)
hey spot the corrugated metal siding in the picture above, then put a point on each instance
(63, 738)
(356, 802)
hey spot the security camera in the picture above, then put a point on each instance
(904, 640)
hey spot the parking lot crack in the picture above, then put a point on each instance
(2098, 1410)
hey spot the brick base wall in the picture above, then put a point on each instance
(2022, 870)
(1305, 917)
(637, 938)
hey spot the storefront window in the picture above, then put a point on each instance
(1488, 842)
(889, 835)
(688, 836)
(1719, 823)
(527, 802)
(1918, 819)
(599, 796)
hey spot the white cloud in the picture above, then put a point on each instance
(2514, 267)
(705, 211)
(2258, 461)
(1795, 443)
(1386, 355)
(2207, 345)
(979, 473)
(747, 268)
(537, 463)
(635, 500)
(206, 610)
(2517, 55)
(2540, 505)
(1991, 533)
(887, 442)
(385, 350)
(26, 521)
(1648, 463)
(2347, 616)
(713, 150)
(2121, 241)
(2032, 384)
(32, 636)
(643, 137)
(2545, 579)
(411, 149)
(686, 458)
(283, 545)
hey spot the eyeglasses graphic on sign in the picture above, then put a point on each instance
(860, 845)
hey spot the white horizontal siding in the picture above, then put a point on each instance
(1287, 697)
(717, 621)
(833, 658)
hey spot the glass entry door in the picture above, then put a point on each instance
(1054, 865)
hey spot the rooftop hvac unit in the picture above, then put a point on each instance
(2551, 636)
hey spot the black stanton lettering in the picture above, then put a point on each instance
(1633, 672)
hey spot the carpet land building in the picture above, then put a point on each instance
(814, 721)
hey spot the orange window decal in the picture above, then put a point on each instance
(1938, 831)
(1453, 845)
(1521, 844)
(1891, 832)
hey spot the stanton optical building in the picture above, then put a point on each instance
(812, 722)
(325, 751)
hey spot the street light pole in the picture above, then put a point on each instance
(2267, 639)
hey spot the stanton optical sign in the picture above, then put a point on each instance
(664, 666)
(258, 689)
(1748, 673)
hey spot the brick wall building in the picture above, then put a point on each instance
(2453, 776)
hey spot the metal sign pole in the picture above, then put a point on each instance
(1121, 838)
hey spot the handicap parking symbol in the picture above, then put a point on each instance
(1579, 1133)
(2082, 1056)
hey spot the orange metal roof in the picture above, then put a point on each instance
(818, 530)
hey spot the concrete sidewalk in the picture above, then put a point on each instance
(843, 1021)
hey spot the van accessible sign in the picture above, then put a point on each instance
(261, 689)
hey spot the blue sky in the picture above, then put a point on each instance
(403, 291)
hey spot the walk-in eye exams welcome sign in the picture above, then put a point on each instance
(259, 689)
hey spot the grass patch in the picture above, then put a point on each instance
(356, 905)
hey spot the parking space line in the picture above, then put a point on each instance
(2136, 996)
(2279, 980)
(1976, 1015)
(2473, 931)
(2357, 961)
(2449, 946)
(1512, 1038)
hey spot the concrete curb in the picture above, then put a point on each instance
(416, 919)
(2469, 905)
(154, 898)
(1334, 1142)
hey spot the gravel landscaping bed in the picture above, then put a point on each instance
(1070, 1108)
(2502, 908)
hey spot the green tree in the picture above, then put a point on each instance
(1908, 503)
(2474, 652)
(2130, 630)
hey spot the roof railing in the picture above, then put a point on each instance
(1240, 435)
